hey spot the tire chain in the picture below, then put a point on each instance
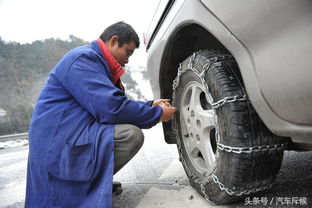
(240, 150)
(220, 147)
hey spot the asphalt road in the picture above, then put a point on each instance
(154, 178)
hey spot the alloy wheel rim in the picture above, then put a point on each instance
(198, 127)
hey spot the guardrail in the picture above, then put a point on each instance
(5, 138)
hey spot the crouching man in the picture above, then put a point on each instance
(84, 129)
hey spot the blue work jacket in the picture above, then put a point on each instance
(71, 143)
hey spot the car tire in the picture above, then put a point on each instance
(227, 152)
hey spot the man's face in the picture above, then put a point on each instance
(122, 54)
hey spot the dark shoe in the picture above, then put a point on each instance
(117, 188)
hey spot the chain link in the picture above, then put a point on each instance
(221, 147)
(228, 100)
(240, 150)
(238, 193)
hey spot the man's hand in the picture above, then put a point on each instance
(168, 111)
(159, 101)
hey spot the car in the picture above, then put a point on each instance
(239, 74)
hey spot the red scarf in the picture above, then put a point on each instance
(114, 66)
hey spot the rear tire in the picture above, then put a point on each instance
(221, 176)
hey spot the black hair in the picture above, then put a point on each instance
(124, 32)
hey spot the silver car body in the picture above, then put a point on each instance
(271, 40)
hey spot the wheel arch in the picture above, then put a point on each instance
(183, 41)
